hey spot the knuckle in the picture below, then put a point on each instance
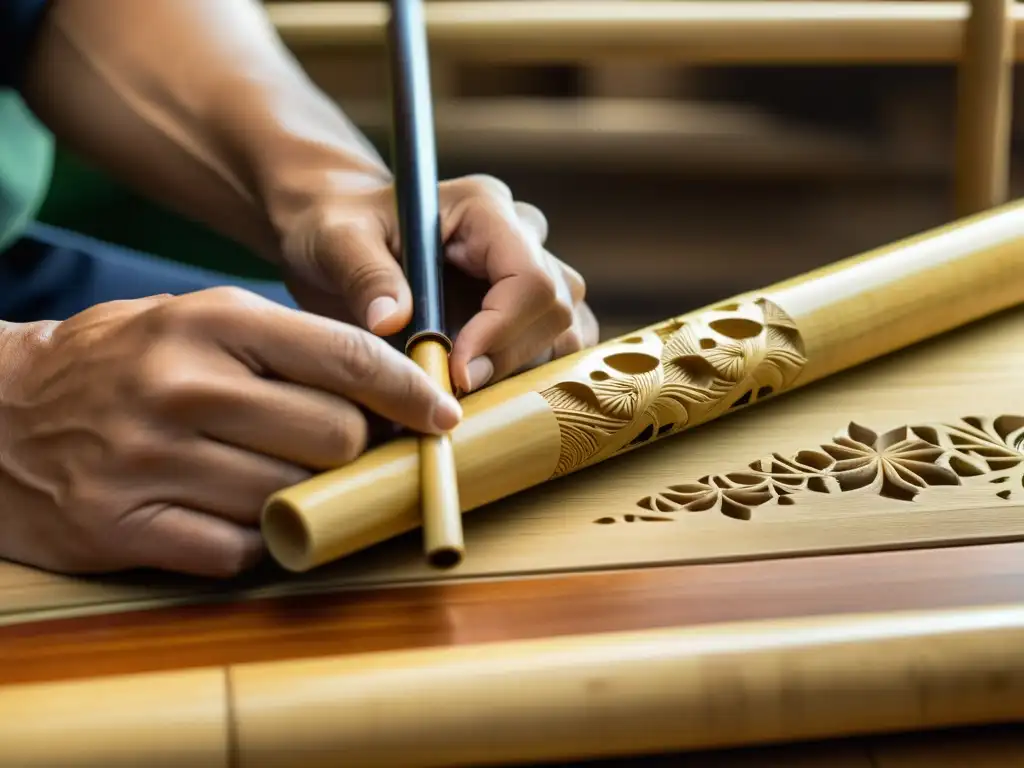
(169, 318)
(365, 275)
(344, 247)
(226, 306)
(591, 327)
(577, 285)
(345, 235)
(40, 335)
(532, 217)
(416, 389)
(482, 185)
(140, 452)
(232, 296)
(360, 354)
(166, 379)
(563, 314)
(348, 435)
(571, 342)
(232, 558)
(207, 309)
(543, 287)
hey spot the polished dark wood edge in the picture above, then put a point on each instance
(486, 611)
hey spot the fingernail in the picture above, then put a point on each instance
(480, 371)
(447, 414)
(380, 309)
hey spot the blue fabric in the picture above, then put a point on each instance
(19, 22)
(52, 274)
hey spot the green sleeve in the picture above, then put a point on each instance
(26, 163)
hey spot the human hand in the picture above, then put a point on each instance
(149, 433)
(341, 261)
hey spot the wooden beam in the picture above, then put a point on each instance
(706, 33)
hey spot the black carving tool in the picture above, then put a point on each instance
(415, 168)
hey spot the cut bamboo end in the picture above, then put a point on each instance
(286, 535)
(442, 517)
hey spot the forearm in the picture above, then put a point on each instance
(197, 104)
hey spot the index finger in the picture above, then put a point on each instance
(339, 358)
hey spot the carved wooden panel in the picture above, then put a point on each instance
(901, 464)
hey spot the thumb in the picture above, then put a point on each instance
(356, 264)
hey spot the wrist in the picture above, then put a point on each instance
(297, 147)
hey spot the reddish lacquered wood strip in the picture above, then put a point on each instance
(459, 613)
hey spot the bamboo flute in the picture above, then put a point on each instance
(428, 345)
(550, 699)
(628, 392)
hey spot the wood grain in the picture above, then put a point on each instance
(577, 697)
(241, 631)
(644, 692)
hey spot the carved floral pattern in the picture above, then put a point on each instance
(901, 464)
(674, 376)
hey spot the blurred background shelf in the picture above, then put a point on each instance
(667, 185)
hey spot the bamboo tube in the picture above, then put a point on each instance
(575, 697)
(742, 32)
(625, 393)
(984, 111)
(442, 525)
(585, 697)
(165, 720)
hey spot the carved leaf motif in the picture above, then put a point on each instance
(900, 464)
(731, 495)
(620, 397)
(683, 342)
(997, 443)
(782, 362)
(571, 396)
(733, 359)
(705, 362)
(582, 423)
(775, 316)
